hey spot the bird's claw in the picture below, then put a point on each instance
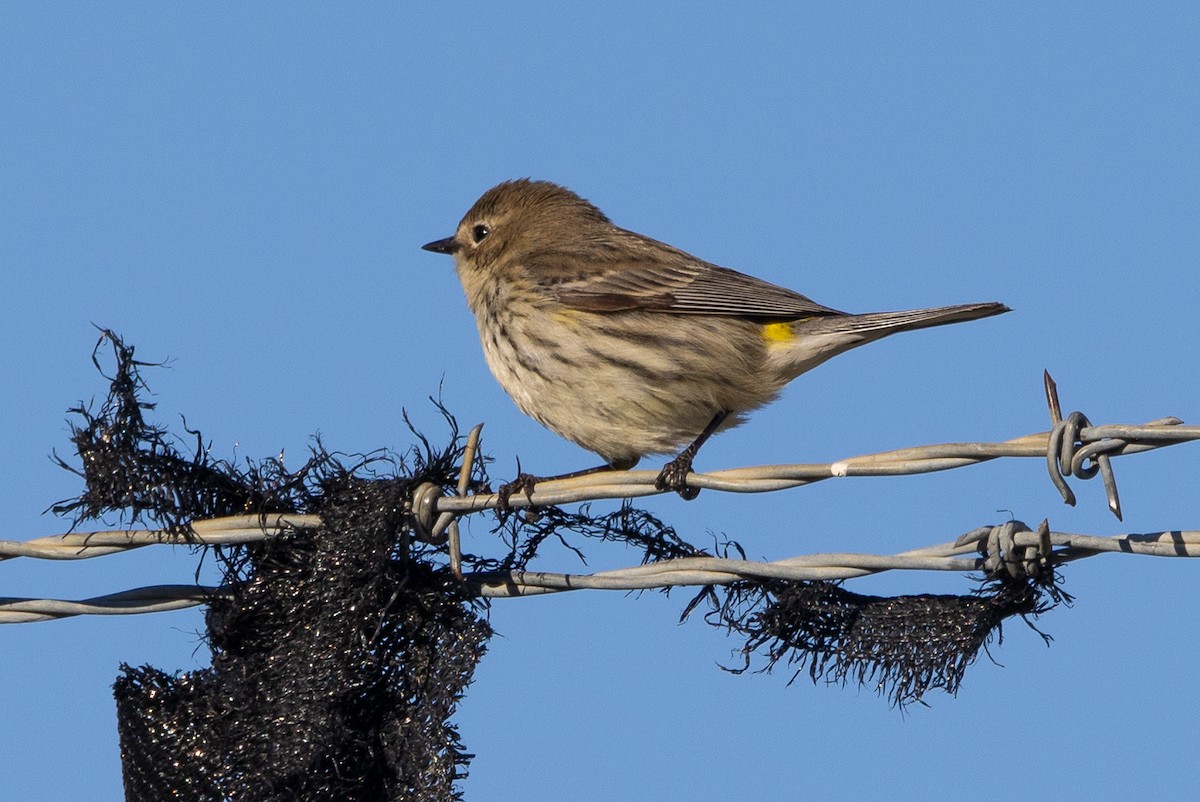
(524, 483)
(673, 476)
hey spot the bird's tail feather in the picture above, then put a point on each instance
(818, 339)
(878, 324)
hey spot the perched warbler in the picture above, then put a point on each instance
(628, 346)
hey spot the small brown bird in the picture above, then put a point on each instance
(628, 346)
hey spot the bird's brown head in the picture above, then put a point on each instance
(518, 217)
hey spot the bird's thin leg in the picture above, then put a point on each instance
(673, 476)
(525, 482)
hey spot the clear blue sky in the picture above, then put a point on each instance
(244, 189)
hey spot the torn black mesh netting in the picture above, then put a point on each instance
(340, 654)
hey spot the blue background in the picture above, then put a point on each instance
(244, 190)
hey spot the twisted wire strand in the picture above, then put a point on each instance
(1064, 547)
(722, 571)
(1119, 439)
(232, 530)
(151, 599)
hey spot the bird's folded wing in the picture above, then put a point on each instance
(682, 287)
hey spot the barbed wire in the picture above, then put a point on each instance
(1099, 441)
(1007, 546)
(1052, 548)
(229, 531)
(433, 513)
(1073, 447)
(151, 599)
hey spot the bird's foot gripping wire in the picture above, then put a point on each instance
(673, 476)
(523, 484)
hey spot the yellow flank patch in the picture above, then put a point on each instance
(778, 333)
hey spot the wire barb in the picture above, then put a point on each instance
(454, 541)
(1067, 455)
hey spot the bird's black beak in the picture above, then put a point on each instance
(447, 245)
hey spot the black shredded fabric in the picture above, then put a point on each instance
(339, 654)
(901, 645)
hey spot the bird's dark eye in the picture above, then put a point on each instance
(480, 232)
